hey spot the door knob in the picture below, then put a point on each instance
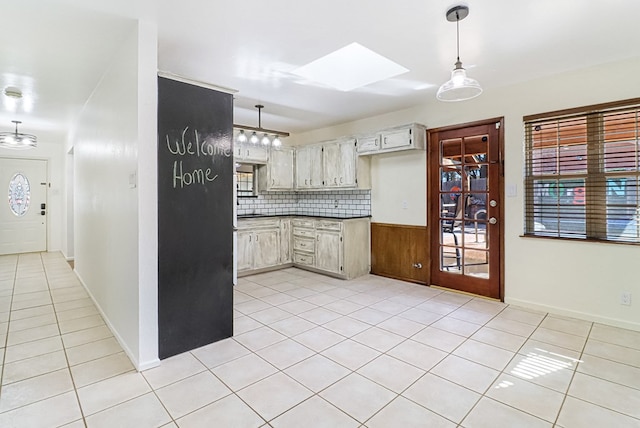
(493, 203)
(493, 220)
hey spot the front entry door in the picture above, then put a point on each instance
(23, 221)
(465, 178)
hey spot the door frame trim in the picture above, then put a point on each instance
(430, 205)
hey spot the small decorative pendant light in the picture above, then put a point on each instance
(254, 138)
(459, 87)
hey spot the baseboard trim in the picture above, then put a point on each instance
(139, 365)
(555, 310)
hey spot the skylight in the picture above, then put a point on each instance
(349, 68)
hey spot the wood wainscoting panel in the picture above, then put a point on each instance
(400, 251)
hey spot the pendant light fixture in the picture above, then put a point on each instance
(254, 138)
(459, 87)
(16, 140)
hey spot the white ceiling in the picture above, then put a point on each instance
(56, 50)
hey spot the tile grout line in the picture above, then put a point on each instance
(573, 375)
(6, 339)
(64, 348)
(484, 394)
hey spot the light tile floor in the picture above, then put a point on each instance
(312, 351)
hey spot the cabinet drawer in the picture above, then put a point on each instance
(303, 223)
(328, 225)
(304, 244)
(303, 259)
(252, 224)
(309, 233)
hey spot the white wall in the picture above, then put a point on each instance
(147, 183)
(578, 279)
(52, 151)
(114, 141)
(67, 236)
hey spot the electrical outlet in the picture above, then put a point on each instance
(405, 205)
(625, 298)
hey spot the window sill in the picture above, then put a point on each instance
(591, 240)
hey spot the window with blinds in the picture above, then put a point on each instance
(582, 172)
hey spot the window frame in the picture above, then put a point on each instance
(597, 176)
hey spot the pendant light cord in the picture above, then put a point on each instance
(458, 34)
(259, 107)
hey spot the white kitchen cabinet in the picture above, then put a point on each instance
(309, 167)
(339, 164)
(277, 174)
(336, 247)
(286, 255)
(331, 165)
(368, 143)
(407, 137)
(250, 153)
(328, 250)
(244, 250)
(258, 244)
(339, 248)
(266, 248)
(304, 241)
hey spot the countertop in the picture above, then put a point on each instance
(250, 216)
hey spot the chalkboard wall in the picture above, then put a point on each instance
(195, 196)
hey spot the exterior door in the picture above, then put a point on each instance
(466, 210)
(23, 220)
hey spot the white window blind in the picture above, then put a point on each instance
(582, 171)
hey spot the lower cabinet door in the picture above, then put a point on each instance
(266, 248)
(329, 251)
(244, 251)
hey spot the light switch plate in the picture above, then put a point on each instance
(511, 190)
(133, 180)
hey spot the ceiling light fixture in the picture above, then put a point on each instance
(460, 87)
(13, 92)
(254, 139)
(16, 140)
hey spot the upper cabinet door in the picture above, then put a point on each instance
(340, 164)
(397, 138)
(348, 159)
(303, 168)
(369, 144)
(281, 168)
(250, 153)
(331, 160)
(315, 167)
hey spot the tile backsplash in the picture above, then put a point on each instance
(333, 203)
